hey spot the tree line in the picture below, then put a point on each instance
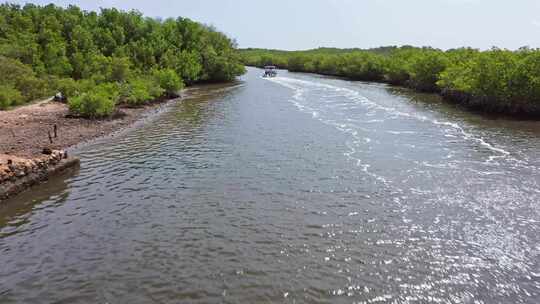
(496, 80)
(101, 59)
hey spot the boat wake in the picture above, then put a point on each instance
(428, 163)
(300, 87)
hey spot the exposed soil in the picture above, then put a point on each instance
(24, 131)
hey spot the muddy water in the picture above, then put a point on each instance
(296, 189)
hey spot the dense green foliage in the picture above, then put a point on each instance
(495, 80)
(22, 78)
(9, 96)
(44, 49)
(139, 91)
(98, 102)
(169, 81)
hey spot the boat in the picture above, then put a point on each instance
(270, 71)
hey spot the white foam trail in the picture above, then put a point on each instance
(349, 128)
(299, 87)
(496, 242)
(401, 132)
(480, 140)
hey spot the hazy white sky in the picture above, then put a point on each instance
(303, 24)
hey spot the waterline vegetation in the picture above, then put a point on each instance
(496, 80)
(101, 60)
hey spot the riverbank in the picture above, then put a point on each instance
(35, 139)
(25, 130)
(18, 174)
(29, 131)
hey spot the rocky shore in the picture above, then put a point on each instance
(17, 173)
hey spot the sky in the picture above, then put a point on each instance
(306, 24)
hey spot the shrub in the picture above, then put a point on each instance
(528, 71)
(9, 96)
(155, 90)
(169, 81)
(425, 68)
(363, 66)
(297, 63)
(396, 67)
(95, 104)
(22, 77)
(32, 88)
(11, 70)
(120, 69)
(68, 87)
(498, 79)
(135, 93)
(88, 85)
(139, 91)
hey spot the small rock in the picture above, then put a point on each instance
(47, 151)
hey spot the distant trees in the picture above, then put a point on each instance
(495, 80)
(43, 47)
(424, 69)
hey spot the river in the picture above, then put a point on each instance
(295, 189)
